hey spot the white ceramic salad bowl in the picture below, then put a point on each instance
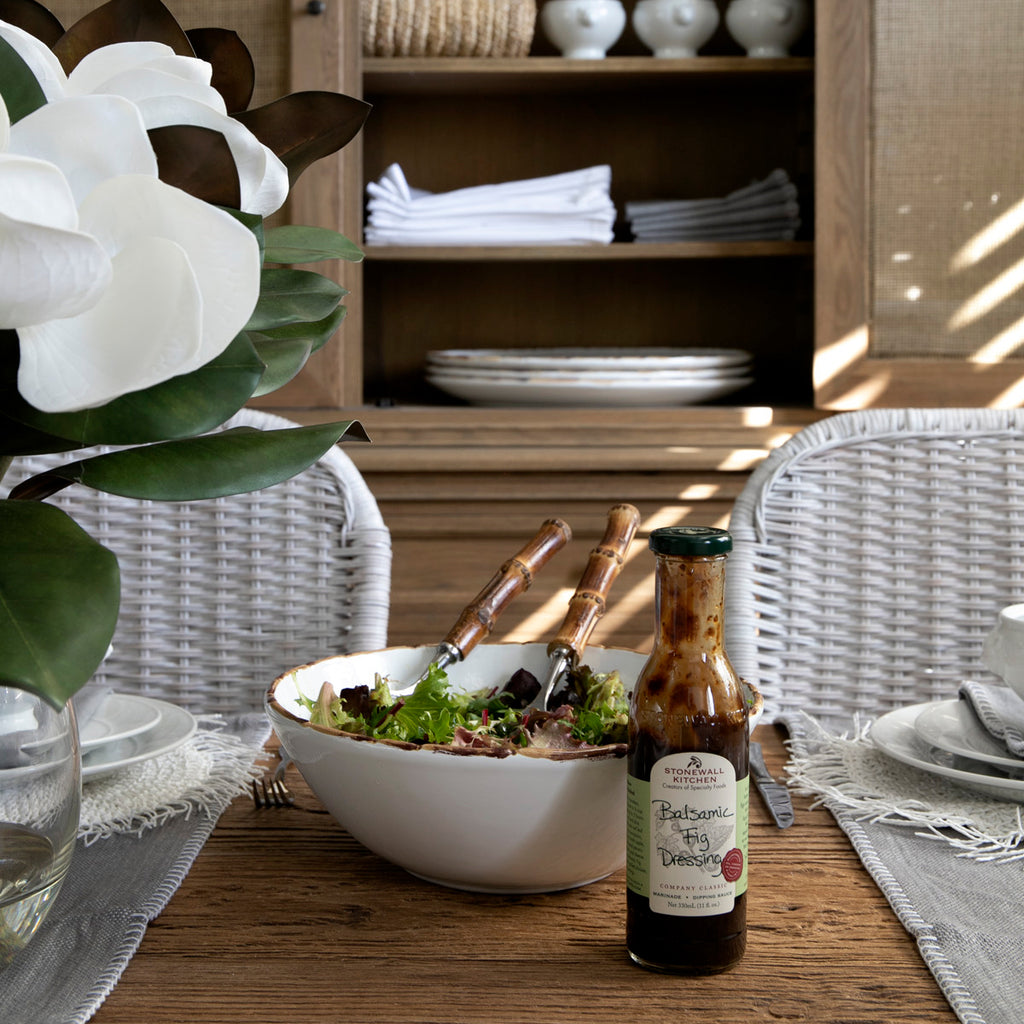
(513, 824)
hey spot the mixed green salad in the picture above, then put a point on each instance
(590, 710)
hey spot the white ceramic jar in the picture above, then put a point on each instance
(675, 28)
(767, 28)
(1003, 652)
(583, 29)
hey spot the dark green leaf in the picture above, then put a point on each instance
(33, 18)
(120, 21)
(198, 161)
(18, 86)
(226, 462)
(316, 332)
(294, 243)
(293, 296)
(306, 126)
(18, 439)
(59, 596)
(180, 407)
(234, 74)
(283, 358)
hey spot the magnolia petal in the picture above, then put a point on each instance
(148, 82)
(145, 328)
(223, 254)
(5, 126)
(39, 58)
(102, 63)
(47, 267)
(47, 272)
(263, 178)
(35, 191)
(90, 138)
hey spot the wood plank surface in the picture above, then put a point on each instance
(285, 919)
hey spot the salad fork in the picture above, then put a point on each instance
(270, 791)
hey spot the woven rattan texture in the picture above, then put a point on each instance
(219, 597)
(946, 153)
(447, 28)
(872, 553)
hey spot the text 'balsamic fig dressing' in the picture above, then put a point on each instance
(687, 803)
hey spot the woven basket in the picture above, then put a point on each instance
(447, 28)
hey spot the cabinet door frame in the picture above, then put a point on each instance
(845, 374)
(326, 54)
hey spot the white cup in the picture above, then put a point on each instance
(583, 29)
(1003, 650)
(675, 28)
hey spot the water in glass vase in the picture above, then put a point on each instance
(28, 884)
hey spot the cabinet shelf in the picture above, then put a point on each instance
(448, 75)
(625, 251)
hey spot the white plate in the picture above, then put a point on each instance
(951, 725)
(895, 735)
(119, 716)
(589, 358)
(584, 393)
(486, 373)
(175, 727)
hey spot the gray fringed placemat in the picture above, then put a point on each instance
(117, 885)
(949, 861)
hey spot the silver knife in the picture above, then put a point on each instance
(775, 795)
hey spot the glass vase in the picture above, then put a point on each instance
(40, 795)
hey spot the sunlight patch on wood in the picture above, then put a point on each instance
(1003, 345)
(835, 360)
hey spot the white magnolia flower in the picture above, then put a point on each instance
(114, 280)
(168, 89)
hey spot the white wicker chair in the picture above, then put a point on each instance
(219, 597)
(872, 553)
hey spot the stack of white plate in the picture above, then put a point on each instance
(945, 738)
(127, 729)
(589, 376)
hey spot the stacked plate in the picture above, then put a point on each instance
(123, 730)
(589, 376)
(126, 729)
(946, 738)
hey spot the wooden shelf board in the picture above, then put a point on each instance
(615, 251)
(441, 75)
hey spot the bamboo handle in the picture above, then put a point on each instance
(588, 604)
(478, 617)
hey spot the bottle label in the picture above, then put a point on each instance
(687, 835)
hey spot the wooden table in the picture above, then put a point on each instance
(284, 919)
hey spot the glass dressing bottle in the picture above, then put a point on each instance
(687, 783)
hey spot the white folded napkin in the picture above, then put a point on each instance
(568, 208)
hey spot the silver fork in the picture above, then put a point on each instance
(270, 791)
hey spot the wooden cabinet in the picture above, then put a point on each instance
(462, 487)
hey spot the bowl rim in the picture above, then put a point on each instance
(600, 753)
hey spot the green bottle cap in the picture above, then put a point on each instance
(690, 540)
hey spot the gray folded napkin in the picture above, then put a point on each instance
(1000, 710)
